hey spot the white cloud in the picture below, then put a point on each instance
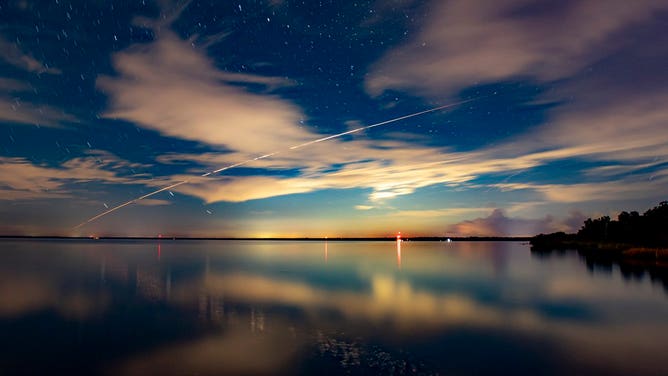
(614, 113)
(175, 89)
(392, 172)
(363, 207)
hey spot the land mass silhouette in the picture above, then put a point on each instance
(632, 235)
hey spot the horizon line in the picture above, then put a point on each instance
(302, 238)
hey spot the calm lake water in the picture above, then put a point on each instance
(260, 307)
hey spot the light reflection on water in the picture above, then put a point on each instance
(246, 307)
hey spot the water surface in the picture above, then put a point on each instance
(260, 307)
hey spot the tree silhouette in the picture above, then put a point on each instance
(649, 229)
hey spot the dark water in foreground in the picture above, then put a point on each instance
(252, 307)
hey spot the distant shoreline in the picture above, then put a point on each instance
(596, 249)
(418, 238)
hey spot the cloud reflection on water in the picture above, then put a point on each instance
(249, 308)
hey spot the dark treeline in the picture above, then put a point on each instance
(647, 230)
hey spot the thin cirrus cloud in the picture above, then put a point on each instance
(25, 180)
(612, 113)
(18, 112)
(13, 55)
(463, 42)
(393, 174)
(13, 108)
(195, 104)
(389, 174)
(617, 190)
(173, 88)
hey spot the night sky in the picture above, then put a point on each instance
(102, 102)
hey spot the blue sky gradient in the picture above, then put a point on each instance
(104, 101)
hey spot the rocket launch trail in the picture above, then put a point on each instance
(291, 148)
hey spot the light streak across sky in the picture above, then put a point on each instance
(291, 148)
(567, 139)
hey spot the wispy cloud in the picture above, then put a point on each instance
(12, 54)
(464, 42)
(363, 207)
(609, 113)
(13, 107)
(20, 179)
(14, 110)
(617, 190)
(392, 171)
(171, 87)
(176, 89)
(442, 213)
